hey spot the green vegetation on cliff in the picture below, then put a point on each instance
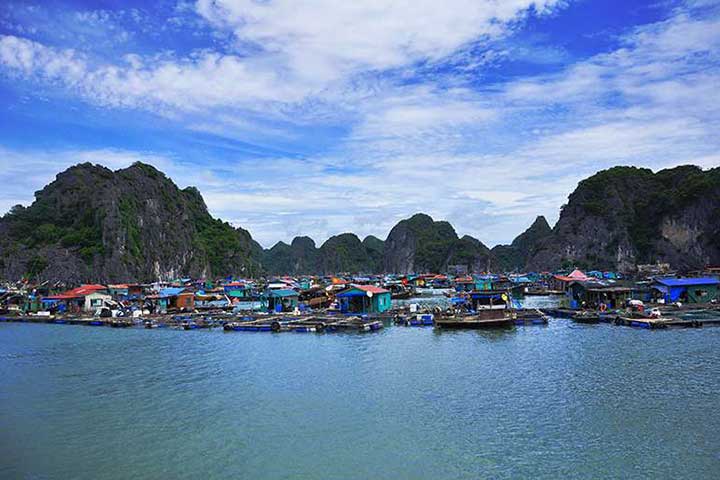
(93, 224)
(627, 215)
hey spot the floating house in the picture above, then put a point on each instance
(561, 282)
(96, 300)
(489, 300)
(211, 299)
(440, 281)
(123, 291)
(475, 282)
(686, 290)
(594, 293)
(174, 298)
(239, 290)
(75, 300)
(283, 300)
(364, 299)
(465, 284)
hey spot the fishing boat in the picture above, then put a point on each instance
(586, 317)
(485, 309)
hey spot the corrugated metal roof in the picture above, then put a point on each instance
(365, 288)
(78, 292)
(283, 293)
(371, 288)
(171, 291)
(685, 282)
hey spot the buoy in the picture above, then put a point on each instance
(275, 326)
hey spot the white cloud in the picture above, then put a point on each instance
(204, 81)
(330, 39)
(304, 53)
(488, 160)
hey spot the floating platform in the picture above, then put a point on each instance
(542, 293)
(559, 312)
(530, 317)
(415, 320)
(664, 322)
(310, 324)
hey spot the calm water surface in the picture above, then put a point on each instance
(566, 400)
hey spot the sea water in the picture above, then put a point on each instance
(556, 401)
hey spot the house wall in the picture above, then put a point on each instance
(95, 301)
(702, 293)
(382, 302)
(689, 293)
(185, 301)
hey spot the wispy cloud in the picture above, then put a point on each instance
(398, 89)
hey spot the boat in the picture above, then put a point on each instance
(586, 317)
(486, 309)
(116, 323)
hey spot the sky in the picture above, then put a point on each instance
(323, 117)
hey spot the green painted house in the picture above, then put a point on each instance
(364, 299)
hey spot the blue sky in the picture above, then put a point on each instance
(349, 116)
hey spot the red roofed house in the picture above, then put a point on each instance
(363, 299)
(561, 282)
(85, 297)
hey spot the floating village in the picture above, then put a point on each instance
(654, 298)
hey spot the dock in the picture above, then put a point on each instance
(474, 322)
(532, 316)
(664, 322)
(689, 317)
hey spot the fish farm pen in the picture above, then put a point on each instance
(402, 317)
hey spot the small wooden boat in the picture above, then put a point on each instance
(474, 322)
(115, 323)
(586, 317)
(488, 309)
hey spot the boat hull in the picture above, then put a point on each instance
(474, 323)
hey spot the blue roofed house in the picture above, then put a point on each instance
(686, 290)
(175, 298)
(282, 300)
(241, 290)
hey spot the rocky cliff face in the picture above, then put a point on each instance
(624, 216)
(93, 224)
(298, 258)
(470, 253)
(344, 253)
(420, 244)
(340, 253)
(515, 256)
(135, 224)
(375, 249)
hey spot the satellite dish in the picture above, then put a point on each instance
(369, 294)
